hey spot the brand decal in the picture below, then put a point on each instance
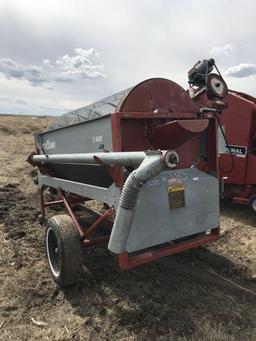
(49, 145)
(239, 151)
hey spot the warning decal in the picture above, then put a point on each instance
(176, 193)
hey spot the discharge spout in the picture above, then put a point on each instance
(152, 165)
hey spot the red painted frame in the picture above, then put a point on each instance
(239, 120)
(127, 262)
(84, 233)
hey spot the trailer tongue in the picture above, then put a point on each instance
(150, 155)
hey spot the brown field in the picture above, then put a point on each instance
(207, 293)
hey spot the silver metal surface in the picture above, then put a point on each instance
(53, 268)
(155, 223)
(221, 141)
(112, 158)
(104, 195)
(150, 167)
(87, 137)
(97, 109)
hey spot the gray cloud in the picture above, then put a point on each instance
(10, 69)
(131, 48)
(10, 104)
(21, 101)
(53, 108)
(220, 51)
(84, 64)
(9, 100)
(62, 78)
(5, 99)
(242, 70)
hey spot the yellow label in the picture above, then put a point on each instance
(176, 193)
(176, 187)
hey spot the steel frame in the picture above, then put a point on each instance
(245, 196)
(127, 262)
(102, 194)
(66, 200)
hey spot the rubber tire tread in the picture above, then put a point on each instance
(70, 250)
(250, 204)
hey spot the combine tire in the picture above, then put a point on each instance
(252, 204)
(63, 250)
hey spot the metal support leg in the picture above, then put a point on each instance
(42, 203)
(73, 217)
(99, 221)
(85, 234)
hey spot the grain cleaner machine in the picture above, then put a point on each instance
(237, 137)
(149, 153)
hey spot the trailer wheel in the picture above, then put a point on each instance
(252, 203)
(63, 250)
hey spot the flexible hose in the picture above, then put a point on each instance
(151, 166)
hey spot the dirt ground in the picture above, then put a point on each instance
(207, 293)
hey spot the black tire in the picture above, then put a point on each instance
(63, 250)
(252, 204)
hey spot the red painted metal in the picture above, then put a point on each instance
(240, 200)
(113, 170)
(130, 134)
(72, 215)
(239, 121)
(108, 223)
(96, 242)
(44, 169)
(98, 222)
(181, 131)
(240, 194)
(84, 233)
(53, 203)
(127, 262)
(157, 94)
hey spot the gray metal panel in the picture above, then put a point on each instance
(105, 195)
(155, 223)
(81, 138)
(97, 109)
(221, 141)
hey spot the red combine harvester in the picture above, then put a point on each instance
(236, 137)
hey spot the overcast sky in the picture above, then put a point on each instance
(59, 55)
